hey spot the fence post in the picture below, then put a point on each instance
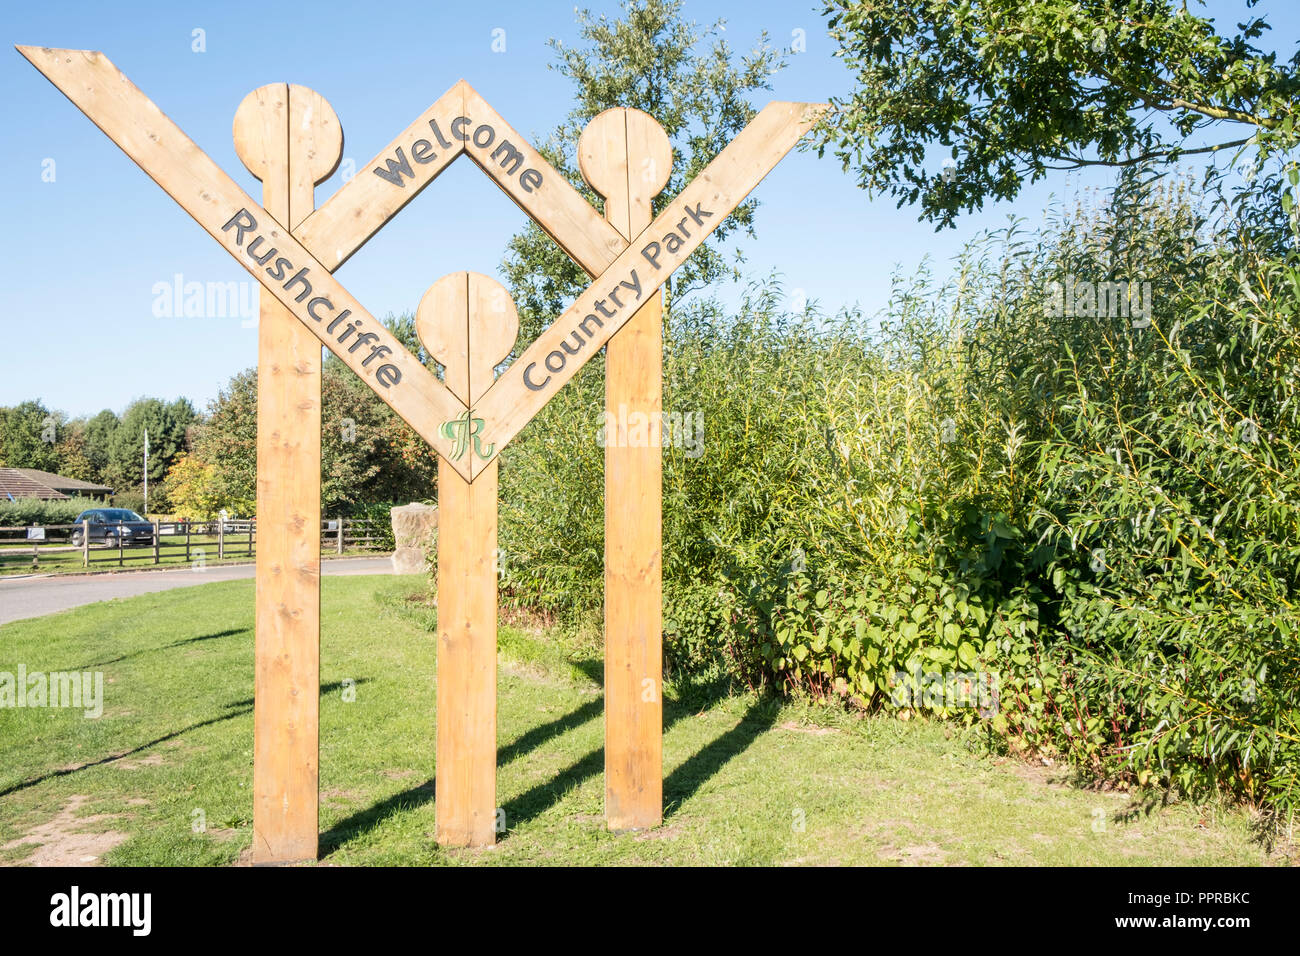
(120, 562)
(85, 544)
(187, 541)
(221, 539)
(156, 529)
(340, 544)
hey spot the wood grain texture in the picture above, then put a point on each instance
(190, 177)
(468, 323)
(510, 404)
(289, 138)
(465, 775)
(626, 157)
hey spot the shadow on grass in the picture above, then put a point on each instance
(684, 782)
(237, 709)
(530, 740)
(164, 647)
(368, 819)
(681, 784)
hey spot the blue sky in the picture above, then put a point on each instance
(84, 254)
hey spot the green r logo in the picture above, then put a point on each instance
(461, 430)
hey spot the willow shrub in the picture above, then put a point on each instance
(1100, 511)
(1166, 496)
(815, 496)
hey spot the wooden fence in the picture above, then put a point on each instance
(193, 543)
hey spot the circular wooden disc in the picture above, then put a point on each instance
(468, 323)
(279, 124)
(618, 133)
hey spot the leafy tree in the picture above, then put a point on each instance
(227, 440)
(28, 436)
(168, 425)
(687, 78)
(192, 488)
(368, 453)
(1015, 88)
(99, 438)
(73, 451)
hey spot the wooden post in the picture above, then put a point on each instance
(627, 158)
(221, 539)
(85, 544)
(289, 138)
(339, 543)
(468, 324)
(155, 542)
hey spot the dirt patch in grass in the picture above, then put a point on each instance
(63, 841)
(337, 797)
(153, 760)
(810, 729)
(669, 832)
(918, 854)
(1035, 771)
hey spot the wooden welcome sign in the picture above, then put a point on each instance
(290, 139)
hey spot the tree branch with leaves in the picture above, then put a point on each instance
(1015, 88)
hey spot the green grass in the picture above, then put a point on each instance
(741, 774)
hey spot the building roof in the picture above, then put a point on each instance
(60, 483)
(14, 484)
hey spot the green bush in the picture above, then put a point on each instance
(1096, 514)
(35, 511)
(134, 500)
(1166, 497)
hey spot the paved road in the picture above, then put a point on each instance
(34, 596)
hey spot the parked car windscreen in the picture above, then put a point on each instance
(120, 514)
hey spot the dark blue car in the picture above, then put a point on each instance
(109, 525)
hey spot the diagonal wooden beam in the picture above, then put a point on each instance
(362, 205)
(555, 205)
(431, 143)
(611, 301)
(187, 174)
